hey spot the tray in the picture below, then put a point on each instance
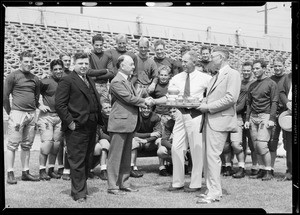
(187, 105)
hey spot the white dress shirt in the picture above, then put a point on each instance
(198, 83)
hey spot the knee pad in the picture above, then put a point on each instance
(262, 147)
(237, 147)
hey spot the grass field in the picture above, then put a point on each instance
(272, 196)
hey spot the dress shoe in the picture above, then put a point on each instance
(116, 192)
(268, 176)
(103, 174)
(228, 171)
(272, 172)
(260, 174)
(135, 173)
(240, 173)
(207, 200)
(190, 190)
(169, 169)
(163, 172)
(26, 176)
(60, 171)
(92, 175)
(52, 174)
(66, 177)
(223, 168)
(171, 188)
(254, 171)
(128, 189)
(11, 178)
(43, 175)
(81, 200)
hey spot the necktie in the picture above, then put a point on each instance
(187, 90)
(216, 77)
(86, 81)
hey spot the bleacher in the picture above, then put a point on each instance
(47, 42)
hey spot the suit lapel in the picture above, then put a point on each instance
(220, 78)
(80, 84)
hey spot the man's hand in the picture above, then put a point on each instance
(155, 134)
(247, 125)
(72, 126)
(270, 124)
(149, 101)
(44, 108)
(203, 107)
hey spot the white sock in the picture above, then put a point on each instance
(60, 166)
(66, 171)
(25, 169)
(10, 170)
(161, 167)
(254, 167)
(42, 167)
(51, 165)
(103, 167)
(227, 164)
(241, 164)
(268, 168)
(135, 168)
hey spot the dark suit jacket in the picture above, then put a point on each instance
(124, 113)
(72, 100)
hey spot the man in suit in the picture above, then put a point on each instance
(122, 123)
(77, 104)
(219, 108)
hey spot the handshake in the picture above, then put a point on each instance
(149, 101)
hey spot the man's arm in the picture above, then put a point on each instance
(8, 88)
(62, 97)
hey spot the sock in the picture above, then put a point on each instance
(103, 167)
(10, 170)
(66, 171)
(227, 164)
(268, 168)
(25, 169)
(241, 164)
(42, 167)
(51, 165)
(135, 168)
(254, 167)
(161, 167)
(60, 166)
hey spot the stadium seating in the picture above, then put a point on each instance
(47, 43)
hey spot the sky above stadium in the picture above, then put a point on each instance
(219, 19)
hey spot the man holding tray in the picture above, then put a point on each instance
(191, 85)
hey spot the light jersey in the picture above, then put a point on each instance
(198, 83)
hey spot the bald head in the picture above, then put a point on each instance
(125, 64)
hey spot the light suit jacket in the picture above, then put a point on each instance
(125, 102)
(221, 99)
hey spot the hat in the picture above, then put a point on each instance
(285, 121)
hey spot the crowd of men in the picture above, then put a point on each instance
(110, 105)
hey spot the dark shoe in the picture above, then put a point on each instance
(240, 173)
(223, 168)
(103, 174)
(52, 174)
(228, 171)
(190, 190)
(169, 169)
(81, 200)
(128, 189)
(26, 176)
(11, 178)
(60, 171)
(268, 176)
(66, 177)
(171, 188)
(254, 171)
(260, 174)
(272, 172)
(163, 172)
(135, 173)
(116, 192)
(43, 175)
(92, 175)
